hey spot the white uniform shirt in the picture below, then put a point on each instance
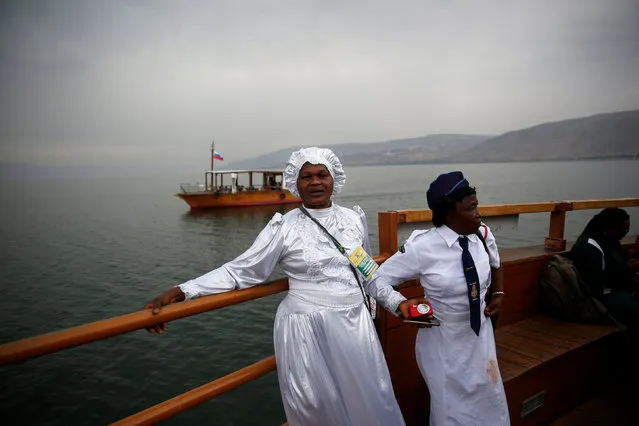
(434, 256)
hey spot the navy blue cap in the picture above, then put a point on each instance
(444, 185)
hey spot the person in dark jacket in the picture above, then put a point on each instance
(608, 269)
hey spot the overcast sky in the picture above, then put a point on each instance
(151, 82)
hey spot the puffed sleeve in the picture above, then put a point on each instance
(400, 267)
(250, 268)
(366, 245)
(493, 252)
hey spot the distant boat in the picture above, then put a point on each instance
(243, 188)
(222, 189)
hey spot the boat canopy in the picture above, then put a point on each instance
(252, 180)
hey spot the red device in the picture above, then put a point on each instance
(421, 310)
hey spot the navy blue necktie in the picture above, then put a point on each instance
(472, 280)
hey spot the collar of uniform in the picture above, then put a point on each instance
(451, 236)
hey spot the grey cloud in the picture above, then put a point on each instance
(154, 81)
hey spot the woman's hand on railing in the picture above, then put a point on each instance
(173, 295)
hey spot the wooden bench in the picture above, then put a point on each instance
(548, 366)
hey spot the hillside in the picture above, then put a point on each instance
(399, 151)
(602, 136)
(613, 135)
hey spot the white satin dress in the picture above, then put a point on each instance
(330, 364)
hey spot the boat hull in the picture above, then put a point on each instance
(220, 200)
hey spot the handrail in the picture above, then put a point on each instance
(389, 220)
(183, 402)
(22, 350)
(425, 215)
(28, 348)
(33, 347)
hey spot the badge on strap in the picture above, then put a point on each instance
(363, 262)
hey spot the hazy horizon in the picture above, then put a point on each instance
(184, 173)
(152, 83)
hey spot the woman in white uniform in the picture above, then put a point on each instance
(457, 359)
(330, 364)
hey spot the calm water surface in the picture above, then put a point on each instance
(75, 251)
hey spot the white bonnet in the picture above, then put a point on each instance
(313, 155)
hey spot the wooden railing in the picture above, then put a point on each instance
(190, 399)
(33, 347)
(389, 221)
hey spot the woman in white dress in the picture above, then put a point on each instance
(458, 359)
(330, 364)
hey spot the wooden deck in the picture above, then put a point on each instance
(532, 342)
(546, 366)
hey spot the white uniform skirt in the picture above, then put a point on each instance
(330, 364)
(461, 371)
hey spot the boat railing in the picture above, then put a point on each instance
(388, 223)
(195, 188)
(33, 347)
(190, 188)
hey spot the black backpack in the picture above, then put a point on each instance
(563, 295)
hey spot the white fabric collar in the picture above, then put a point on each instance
(451, 236)
(317, 213)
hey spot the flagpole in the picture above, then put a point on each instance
(212, 155)
(213, 177)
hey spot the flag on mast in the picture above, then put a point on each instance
(217, 156)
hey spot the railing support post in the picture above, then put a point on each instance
(387, 232)
(555, 240)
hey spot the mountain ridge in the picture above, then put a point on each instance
(613, 135)
(396, 151)
(599, 136)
